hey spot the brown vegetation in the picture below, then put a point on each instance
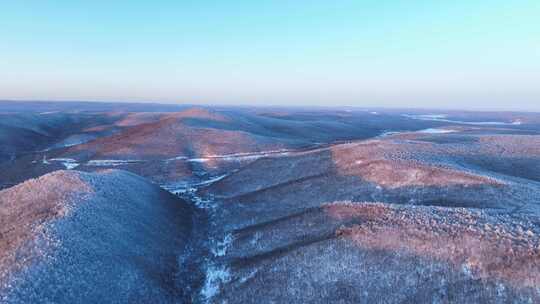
(25, 207)
(487, 247)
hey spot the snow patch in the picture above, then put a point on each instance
(198, 160)
(249, 276)
(389, 133)
(437, 131)
(467, 270)
(212, 180)
(500, 289)
(180, 191)
(189, 191)
(256, 238)
(68, 163)
(215, 277)
(220, 248)
(70, 166)
(238, 156)
(176, 158)
(443, 118)
(111, 162)
(202, 203)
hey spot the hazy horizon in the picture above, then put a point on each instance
(433, 108)
(394, 54)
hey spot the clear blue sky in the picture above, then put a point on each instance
(461, 53)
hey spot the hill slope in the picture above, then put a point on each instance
(72, 237)
(304, 227)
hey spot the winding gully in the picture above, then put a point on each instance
(202, 269)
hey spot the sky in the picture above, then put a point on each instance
(371, 53)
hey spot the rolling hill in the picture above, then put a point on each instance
(71, 237)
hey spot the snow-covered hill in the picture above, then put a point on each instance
(73, 237)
